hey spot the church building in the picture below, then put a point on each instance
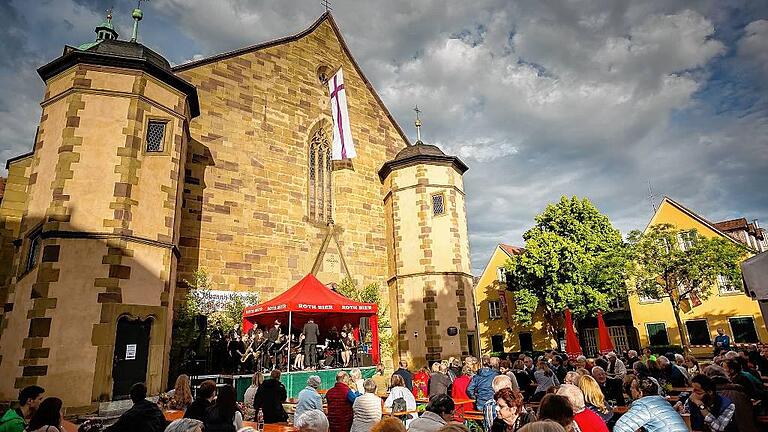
(142, 173)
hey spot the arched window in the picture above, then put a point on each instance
(320, 189)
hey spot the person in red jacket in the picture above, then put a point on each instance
(340, 398)
(586, 419)
(459, 392)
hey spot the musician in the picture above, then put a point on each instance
(248, 342)
(297, 349)
(310, 333)
(236, 350)
(273, 337)
(346, 352)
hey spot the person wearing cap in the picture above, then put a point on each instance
(309, 398)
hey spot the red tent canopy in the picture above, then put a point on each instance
(606, 345)
(311, 298)
(572, 346)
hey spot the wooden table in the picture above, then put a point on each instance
(272, 427)
(681, 389)
(620, 409)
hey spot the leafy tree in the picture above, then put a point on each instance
(574, 258)
(371, 293)
(187, 341)
(681, 266)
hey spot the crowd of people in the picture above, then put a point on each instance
(622, 393)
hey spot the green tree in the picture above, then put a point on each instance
(680, 266)
(371, 293)
(574, 258)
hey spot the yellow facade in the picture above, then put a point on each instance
(503, 325)
(715, 311)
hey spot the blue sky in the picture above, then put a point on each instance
(592, 98)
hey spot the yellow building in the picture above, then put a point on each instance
(728, 307)
(495, 308)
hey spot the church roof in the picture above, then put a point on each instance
(421, 153)
(326, 16)
(122, 54)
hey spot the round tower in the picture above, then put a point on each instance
(92, 295)
(430, 280)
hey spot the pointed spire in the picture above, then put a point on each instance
(137, 16)
(418, 124)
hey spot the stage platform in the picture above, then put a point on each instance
(293, 381)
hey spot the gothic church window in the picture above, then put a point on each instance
(320, 188)
(155, 134)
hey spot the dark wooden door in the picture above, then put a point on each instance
(129, 365)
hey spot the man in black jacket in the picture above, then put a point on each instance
(405, 374)
(612, 388)
(143, 416)
(311, 333)
(270, 397)
(198, 409)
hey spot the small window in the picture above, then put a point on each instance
(155, 134)
(726, 286)
(494, 309)
(33, 253)
(686, 240)
(501, 274)
(698, 332)
(743, 329)
(497, 343)
(438, 204)
(526, 342)
(657, 334)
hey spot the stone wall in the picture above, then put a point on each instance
(246, 212)
(106, 212)
(431, 282)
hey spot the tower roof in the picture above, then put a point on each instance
(123, 54)
(421, 153)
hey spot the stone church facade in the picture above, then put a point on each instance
(142, 173)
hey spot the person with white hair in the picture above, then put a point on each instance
(680, 364)
(670, 373)
(586, 419)
(312, 421)
(366, 410)
(356, 376)
(185, 425)
(489, 409)
(616, 368)
(309, 398)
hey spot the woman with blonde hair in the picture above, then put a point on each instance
(249, 414)
(594, 398)
(357, 377)
(182, 393)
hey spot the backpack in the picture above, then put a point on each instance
(399, 405)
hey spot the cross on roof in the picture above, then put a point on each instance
(327, 5)
(417, 123)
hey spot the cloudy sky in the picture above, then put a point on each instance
(540, 98)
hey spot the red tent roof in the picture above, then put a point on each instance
(310, 295)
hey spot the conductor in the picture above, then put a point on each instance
(311, 333)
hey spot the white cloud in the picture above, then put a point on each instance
(753, 47)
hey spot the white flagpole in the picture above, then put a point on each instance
(290, 335)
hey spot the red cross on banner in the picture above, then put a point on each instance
(343, 146)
